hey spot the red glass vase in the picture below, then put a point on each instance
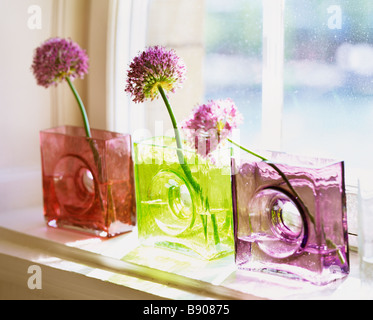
(88, 182)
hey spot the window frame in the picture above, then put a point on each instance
(273, 73)
(126, 36)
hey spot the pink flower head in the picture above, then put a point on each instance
(210, 124)
(57, 59)
(152, 67)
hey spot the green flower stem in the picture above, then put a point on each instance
(81, 107)
(92, 143)
(283, 176)
(185, 167)
(180, 154)
(86, 125)
(246, 150)
(215, 226)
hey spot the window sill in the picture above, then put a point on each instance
(78, 266)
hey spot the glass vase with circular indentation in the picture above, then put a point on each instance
(88, 183)
(172, 212)
(290, 217)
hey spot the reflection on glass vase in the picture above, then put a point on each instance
(295, 228)
(170, 212)
(88, 184)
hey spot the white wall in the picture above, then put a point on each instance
(24, 106)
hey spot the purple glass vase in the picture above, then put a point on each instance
(88, 183)
(290, 217)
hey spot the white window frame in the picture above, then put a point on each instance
(273, 73)
(126, 36)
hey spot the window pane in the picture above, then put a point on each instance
(328, 80)
(233, 59)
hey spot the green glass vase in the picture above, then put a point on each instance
(171, 211)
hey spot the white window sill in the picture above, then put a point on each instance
(79, 266)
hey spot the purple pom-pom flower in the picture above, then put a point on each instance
(210, 124)
(56, 59)
(153, 67)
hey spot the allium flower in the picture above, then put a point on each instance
(57, 59)
(210, 124)
(154, 66)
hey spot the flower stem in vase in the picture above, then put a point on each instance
(92, 144)
(197, 188)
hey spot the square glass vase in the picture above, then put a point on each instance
(188, 212)
(88, 183)
(295, 228)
